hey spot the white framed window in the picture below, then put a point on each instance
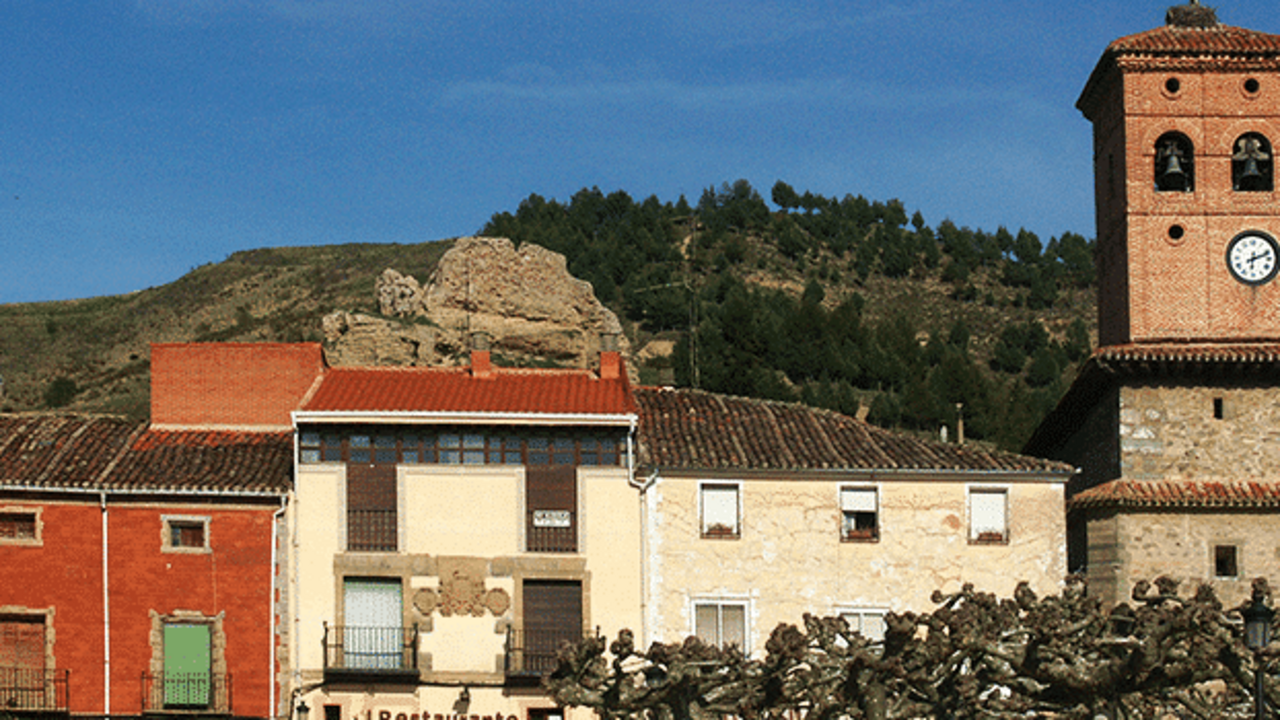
(859, 514)
(721, 622)
(185, 533)
(21, 525)
(988, 515)
(867, 622)
(721, 509)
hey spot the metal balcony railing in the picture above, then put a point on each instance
(370, 650)
(207, 691)
(34, 689)
(552, 531)
(532, 653)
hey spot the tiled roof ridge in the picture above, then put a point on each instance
(156, 437)
(1225, 39)
(234, 343)
(461, 369)
(1189, 493)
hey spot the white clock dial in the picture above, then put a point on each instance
(1252, 257)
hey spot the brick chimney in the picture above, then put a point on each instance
(481, 367)
(610, 358)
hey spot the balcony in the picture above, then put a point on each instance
(531, 654)
(195, 693)
(28, 690)
(370, 654)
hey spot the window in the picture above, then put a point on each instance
(1224, 562)
(720, 515)
(188, 664)
(188, 669)
(185, 533)
(552, 616)
(22, 662)
(19, 526)
(867, 623)
(1174, 164)
(371, 508)
(458, 446)
(1251, 164)
(721, 623)
(988, 516)
(859, 510)
(373, 620)
(551, 496)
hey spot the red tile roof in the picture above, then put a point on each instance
(1168, 494)
(1188, 353)
(1174, 40)
(455, 390)
(61, 450)
(694, 430)
(1180, 48)
(1109, 364)
(239, 462)
(112, 454)
(231, 385)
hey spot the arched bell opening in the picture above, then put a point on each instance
(1251, 165)
(1174, 163)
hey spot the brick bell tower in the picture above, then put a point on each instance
(1174, 422)
(1185, 120)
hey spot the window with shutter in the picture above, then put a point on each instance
(720, 516)
(988, 516)
(551, 497)
(859, 511)
(371, 508)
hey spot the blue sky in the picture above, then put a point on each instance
(142, 138)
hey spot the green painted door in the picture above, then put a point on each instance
(187, 668)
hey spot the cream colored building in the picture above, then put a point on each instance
(451, 527)
(757, 512)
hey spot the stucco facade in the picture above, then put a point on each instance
(791, 557)
(499, 531)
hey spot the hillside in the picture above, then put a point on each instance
(839, 303)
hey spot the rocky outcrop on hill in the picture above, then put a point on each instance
(534, 311)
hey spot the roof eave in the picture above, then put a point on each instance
(445, 417)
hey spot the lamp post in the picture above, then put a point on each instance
(1257, 633)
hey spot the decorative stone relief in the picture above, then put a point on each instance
(462, 591)
(426, 601)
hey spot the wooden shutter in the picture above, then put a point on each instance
(551, 494)
(22, 641)
(552, 612)
(187, 668)
(371, 508)
(987, 515)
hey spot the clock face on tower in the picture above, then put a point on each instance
(1253, 257)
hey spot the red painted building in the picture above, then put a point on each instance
(140, 564)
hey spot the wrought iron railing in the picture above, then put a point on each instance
(552, 531)
(371, 530)
(370, 649)
(533, 652)
(27, 689)
(207, 691)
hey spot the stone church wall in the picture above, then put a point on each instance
(1203, 432)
